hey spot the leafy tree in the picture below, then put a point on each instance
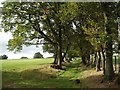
(38, 55)
(109, 10)
(3, 56)
(24, 58)
(24, 20)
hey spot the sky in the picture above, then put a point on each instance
(26, 52)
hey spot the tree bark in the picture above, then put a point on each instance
(98, 62)
(55, 59)
(92, 58)
(103, 59)
(88, 59)
(60, 48)
(83, 59)
(95, 59)
(55, 55)
(118, 79)
(109, 73)
(65, 52)
(115, 64)
(59, 57)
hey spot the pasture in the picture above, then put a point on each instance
(37, 73)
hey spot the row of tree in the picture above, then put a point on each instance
(88, 29)
(36, 55)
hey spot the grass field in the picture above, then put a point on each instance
(37, 73)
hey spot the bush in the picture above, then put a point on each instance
(3, 57)
(38, 55)
(24, 58)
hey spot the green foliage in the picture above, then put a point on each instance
(3, 56)
(24, 58)
(38, 55)
(72, 54)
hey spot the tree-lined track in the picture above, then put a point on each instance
(86, 30)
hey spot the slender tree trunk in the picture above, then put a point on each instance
(95, 59)
(65, 52)
(55, 55)
(59, 57)
(55, 59)
(109, 72)
(118, 79)
(92, 58)
(60, 49)
(115, 64)
(88, 59)
(98, 62)
(103, 60)
(83, 59)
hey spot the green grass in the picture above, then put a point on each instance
(36, 74)
(20, 65)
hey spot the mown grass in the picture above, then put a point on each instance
(38, 74)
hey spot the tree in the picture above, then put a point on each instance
(3, 56)
(24, 20)
(38, 55)
(24, 58)
(109, 10)
(72, 54)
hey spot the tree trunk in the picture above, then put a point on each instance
(60, 48)
(92, 58)
(118, 79)
(115, 64)
(59, 57)
(103, 60)
(83, 59)
(98, 62)
(109, 73)
(95, 59)
(55, 55)
(55, 59)
(88, 59)
(65, 52)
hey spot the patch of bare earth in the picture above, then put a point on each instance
(93, 79)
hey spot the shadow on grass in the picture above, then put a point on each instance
(51, 78)
(36, 78)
